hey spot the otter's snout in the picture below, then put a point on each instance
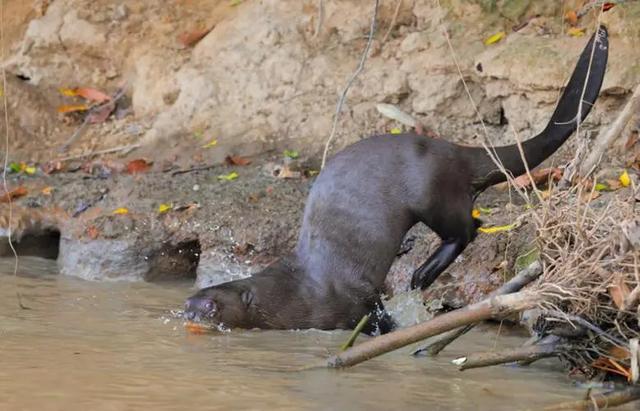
(198, 309)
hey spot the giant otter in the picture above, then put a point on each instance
(363, 203)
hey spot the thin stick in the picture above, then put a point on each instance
(193, 169)
(343, 96)
(528, 354)
(76, 134)
(355, 333)
(484, 310)
(609, 400)
(393, 22)
(518, 282)
(608, 135)
(320, 18)
(99, 152)
(5, 105)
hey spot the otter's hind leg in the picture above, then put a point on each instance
(380, 321)
(456, 230)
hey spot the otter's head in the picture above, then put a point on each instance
(223, 306)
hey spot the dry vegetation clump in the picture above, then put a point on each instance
(590, 286)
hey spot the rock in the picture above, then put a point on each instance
(78, 31)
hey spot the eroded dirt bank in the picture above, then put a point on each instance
(265, 77)
(108, 224)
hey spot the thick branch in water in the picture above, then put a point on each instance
(495, 307)
(609, 400)
(529, 354)
(518, 282)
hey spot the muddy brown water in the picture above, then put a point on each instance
(116, 346)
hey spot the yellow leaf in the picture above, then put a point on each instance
(624, 178)
(475, 213)
(31, 170)
(497, 229)
(396, 130)
(69, 92)
(121, 210)
(71, 108)
(575, 32)
(228, 177)
(47, 191)
(163, 208)
(211, 143)
(495, 38)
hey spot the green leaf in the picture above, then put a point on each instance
(15, 167)
(292, 154)
(228, 177)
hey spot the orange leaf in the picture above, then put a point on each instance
(138, 166)
(12, 195)
(237, 160)
(618, 291)
(571, 17)
(92, 232)
(190, 38)
(92, 94)
(72, 108)
(539, 177)
(47, 191)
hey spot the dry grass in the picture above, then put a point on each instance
(591, 284)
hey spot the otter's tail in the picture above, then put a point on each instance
(574, 105)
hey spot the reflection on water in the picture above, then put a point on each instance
(116, 346)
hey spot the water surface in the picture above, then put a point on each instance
(116, 346)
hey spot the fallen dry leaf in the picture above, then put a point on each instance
(237, 161)
(571, 17)
(13, 194)
(575, 32)
(100, 114)
(188, 39)
(47, 191)
(228, 177)
(139, 165)
(92, 94)
(163, 208)
(539, 177)
(618, 291)
(497, 229)
(51, 167)
(120, 211)
(495, 38)
(624, 179)
(93, 232)
(72, 108)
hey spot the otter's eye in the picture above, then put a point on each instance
(209, 306)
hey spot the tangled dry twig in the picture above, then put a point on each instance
(590, 280)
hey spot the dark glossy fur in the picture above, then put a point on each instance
(360, 208)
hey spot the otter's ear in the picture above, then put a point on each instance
(247, 297)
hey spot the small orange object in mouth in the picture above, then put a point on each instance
(195, 328)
